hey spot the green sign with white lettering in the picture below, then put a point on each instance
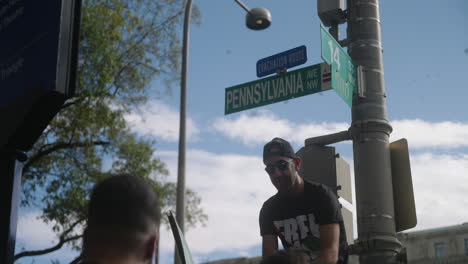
(344, 74)
(285, 86)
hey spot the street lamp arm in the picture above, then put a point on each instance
(243, 6)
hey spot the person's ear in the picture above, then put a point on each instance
(297, 163)
(151, 246)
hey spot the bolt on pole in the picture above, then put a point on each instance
(377, 242)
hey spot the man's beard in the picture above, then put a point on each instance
(284, 183)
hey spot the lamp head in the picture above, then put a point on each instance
(258, 18)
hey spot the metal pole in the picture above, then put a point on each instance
(180, 199)
(377, 242)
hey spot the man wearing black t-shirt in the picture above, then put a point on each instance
(304, 215)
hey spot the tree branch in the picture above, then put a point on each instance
(59, 146)
(62, 240)
(47, 250)
(151, 29)
(76, 260)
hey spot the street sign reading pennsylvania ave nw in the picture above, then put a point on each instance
(285, 86)
(281, 61)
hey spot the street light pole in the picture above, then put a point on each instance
(180, 198)
(180, 204)
(377, 242)
(256, 19)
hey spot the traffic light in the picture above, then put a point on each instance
(331, 12)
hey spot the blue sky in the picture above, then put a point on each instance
(426, 78)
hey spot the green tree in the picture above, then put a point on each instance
(124, 46)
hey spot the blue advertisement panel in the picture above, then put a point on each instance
(29, 31)
(38, 55)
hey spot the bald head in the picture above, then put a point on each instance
(123, 217)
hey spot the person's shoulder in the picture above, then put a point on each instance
(315, 185)
(269, 206)
(317, 188)
(271, 201)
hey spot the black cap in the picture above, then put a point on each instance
(278, 147)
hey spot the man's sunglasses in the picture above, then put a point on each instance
(282, 165)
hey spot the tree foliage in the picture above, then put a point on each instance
(124, 46)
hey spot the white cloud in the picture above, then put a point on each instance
(265, 125)
(159, 120)
(422, 134)
(33, 234)
(34, 231)
(439, 183)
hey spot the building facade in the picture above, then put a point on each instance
(445, 245)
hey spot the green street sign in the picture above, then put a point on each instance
(285, 86)
(344, 73)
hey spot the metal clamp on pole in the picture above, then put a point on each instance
(370, 125)
(379, 244)
(329, 139)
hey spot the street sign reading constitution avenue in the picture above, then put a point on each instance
(285, 86)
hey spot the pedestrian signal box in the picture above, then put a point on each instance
(403, 194)
(322, 164)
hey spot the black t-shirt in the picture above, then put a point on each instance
(296, 220)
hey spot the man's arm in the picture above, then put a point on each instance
(329, 243)
(269, 245)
